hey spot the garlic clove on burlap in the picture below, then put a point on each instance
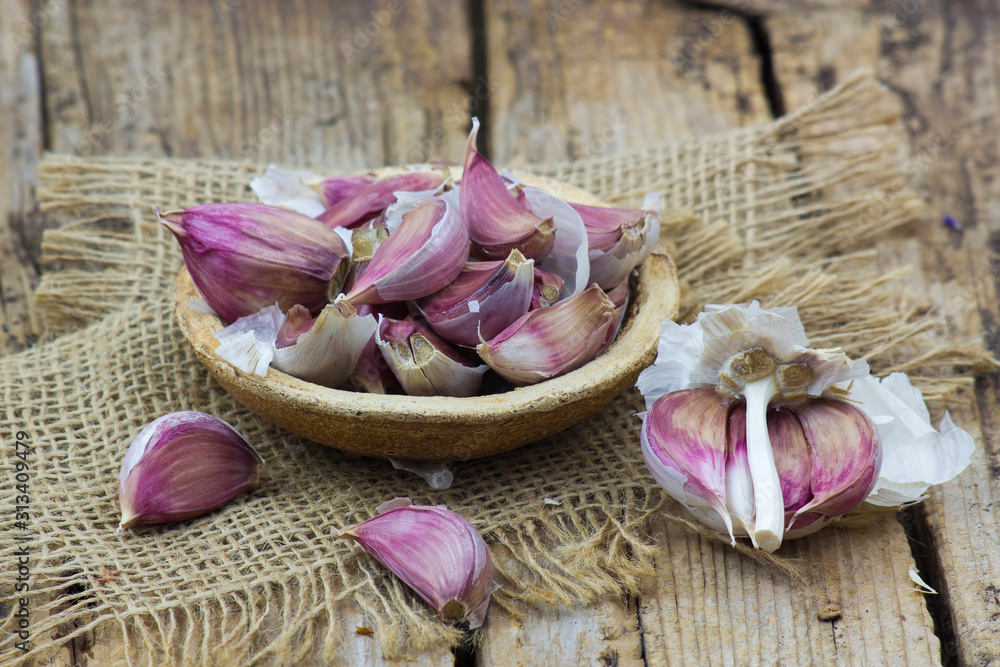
(183, 465)
(424, 363)
(243, 257)
(371, 200)
(483, 300)
(811, 455)
(552, 341)
(425, 253)
(497, 222)
(435, 552)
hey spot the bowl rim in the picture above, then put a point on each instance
(647, 308)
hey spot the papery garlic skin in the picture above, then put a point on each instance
(243, 257)
(549, 342)
(288, 189)
(249, 342)
(183, 465)
(435, 552)
(916, 455)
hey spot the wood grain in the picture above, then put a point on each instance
(580, 79)
(20, 146)
(940, 58)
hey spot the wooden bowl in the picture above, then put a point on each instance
(437, 428)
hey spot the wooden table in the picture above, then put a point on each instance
(363, 84)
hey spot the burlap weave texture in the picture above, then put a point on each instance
(781, 212)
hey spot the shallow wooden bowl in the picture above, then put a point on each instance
(439, 428)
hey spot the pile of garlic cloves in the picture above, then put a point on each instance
(760, 436)
(413, 282)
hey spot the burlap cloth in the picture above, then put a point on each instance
(786, 212)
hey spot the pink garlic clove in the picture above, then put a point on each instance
(183, 465)
(435, 552)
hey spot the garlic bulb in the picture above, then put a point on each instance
(760, 435)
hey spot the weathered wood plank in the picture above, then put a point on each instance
(853, 606)
(940, 58)
(581, 79)
(600, 635)
(20, 146)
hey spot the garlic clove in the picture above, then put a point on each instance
(183, 465)
(546, 289)
(845, 452)
(326, 352)
(684, 444)
(568, 258)
(497, 222)
(483, 300)
(425, 253)
(551, 341)
(435, 552)
(635, 243)
(369, 201)
(739, 481)
(424, 363)
(619, 297)
(372, 372)
(336, 188)
(243, 257)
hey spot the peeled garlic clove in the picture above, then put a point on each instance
(684, 444)
(483, 300)
(184, 465)
(497, 222)
(546, 289)
(336, 188)
(551, 341)
(369, 201)
(424, 363)
(846, 455)
(435, 552)
(425, 253)
(243, 257)
(327, 352)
